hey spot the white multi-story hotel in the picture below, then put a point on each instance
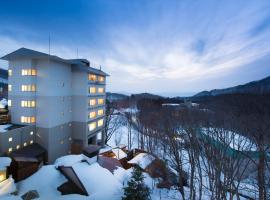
(58, 101)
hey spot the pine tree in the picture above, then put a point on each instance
(136, 188)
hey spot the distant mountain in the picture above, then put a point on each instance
(115, 96)
(146, 96)
(255, 87)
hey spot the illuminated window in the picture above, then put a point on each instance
(9, 87)
(92, 77)
(62, 142)
(92, 114)
(29, 104)
(10, 139)
(25, 144)
(9, 103)
(100, 112)
(29, 72)
(9, 150)
(18, 146)
(92, 102)
(100, 101)
(3, 175)
(28, 120)
(100, 122)
(9, 72)
(101, 78)
(31, 142)
(29, 88)
(100, 90)
(31, 133)
(92, 90)
(92, 126)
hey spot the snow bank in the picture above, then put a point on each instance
(7, 187)
(142, 159)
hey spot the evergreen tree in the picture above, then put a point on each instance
(136, 188)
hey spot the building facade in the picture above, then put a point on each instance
(64, 100)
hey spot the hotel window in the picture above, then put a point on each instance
(100, 101)
(101, 78)
(31, 142)
(92, 102)
(92, 126)
(100, 122)
(31, 133)
(29, 72)
(92, 90)
(10, 139)
(29, 104)
(9, 103)
(28, 120)
(9, 150)
(9, 87)
(100, 112)
(9, 72)
(100, 90)
(92, 114)
(29, 88)
(92, 77)
(18, 146)
(25, 144)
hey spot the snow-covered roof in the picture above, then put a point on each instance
(119, 153)
(170, 104)
(4, 127)
(142, 159)
(68, 160)
(4, 162)
(3, 103)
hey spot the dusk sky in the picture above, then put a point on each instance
(165, 47)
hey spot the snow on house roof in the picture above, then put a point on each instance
(3, 103)
(142, 159)
(3, 128)
(119, 153)
(4, 162)
(68, 160)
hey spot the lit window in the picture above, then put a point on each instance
(69, 138)
(100, 101)
(9, 103)
(3, 175)
(29, 88)
(9, 150)
(100, 90)
(92, 77)
(25, 144)
(10, 139)
(62, 142)
(9, 87)
(9, 72)
(100, 112)
(101, 78)
(31, 142)
(18, 146)
(92, 90)
(92, 126)
(92, 102)
(92, 114)
(100, 122)
(29, 104)
(28, 119)
(32, 132)
(29, 72)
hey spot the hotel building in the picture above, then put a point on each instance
(54, 102)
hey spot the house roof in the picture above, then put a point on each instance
(71, 175)
(91, 150)
(29, 53)
(30, 151)
(110, 164)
